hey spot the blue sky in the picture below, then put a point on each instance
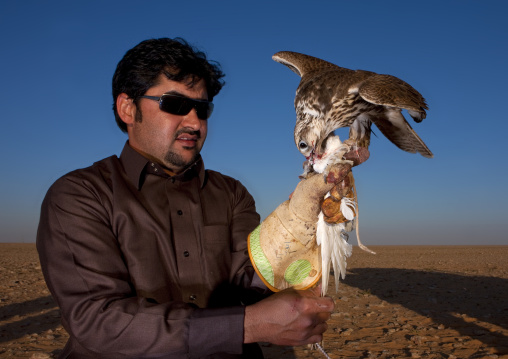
(57, 60)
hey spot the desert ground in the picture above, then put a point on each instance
(403, 302)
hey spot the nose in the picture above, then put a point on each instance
(191, 120)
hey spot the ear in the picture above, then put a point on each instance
(126, 108)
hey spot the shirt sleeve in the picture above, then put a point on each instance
(244, 220)
(84, 269)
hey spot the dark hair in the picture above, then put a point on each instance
(141, 66)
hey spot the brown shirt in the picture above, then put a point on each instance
(147, 265)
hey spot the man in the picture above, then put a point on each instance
(146, 254)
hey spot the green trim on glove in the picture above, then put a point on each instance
(259, 258)
(297, 271)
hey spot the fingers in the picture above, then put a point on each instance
(316, 291)
(325, 304)
(318, 336)
(288, 317)
(318, 311)
(313, 335)
(324, 316)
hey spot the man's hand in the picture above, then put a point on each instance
(290, 317)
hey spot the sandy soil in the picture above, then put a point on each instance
(404, 302)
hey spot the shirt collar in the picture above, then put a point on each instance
(136, 165)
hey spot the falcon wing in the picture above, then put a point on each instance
(301, 64)
(391, 91)
(395, 127)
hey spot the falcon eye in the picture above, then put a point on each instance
(302, 145)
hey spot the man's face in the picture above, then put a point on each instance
(171, 140)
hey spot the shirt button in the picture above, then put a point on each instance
(186, 253)
(192, 297)
(179, 212)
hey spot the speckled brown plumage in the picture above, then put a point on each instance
(329, 97)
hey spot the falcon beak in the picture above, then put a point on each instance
(312, 156)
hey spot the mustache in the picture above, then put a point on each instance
(189, 132)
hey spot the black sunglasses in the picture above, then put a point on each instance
(181, 105)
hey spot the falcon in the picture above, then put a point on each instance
(330, 97)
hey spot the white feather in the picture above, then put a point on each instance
(348, 207)
(334, 151)
(334, 249)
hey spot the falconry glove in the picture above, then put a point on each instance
(283, 247)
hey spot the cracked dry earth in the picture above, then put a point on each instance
(403, 302)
